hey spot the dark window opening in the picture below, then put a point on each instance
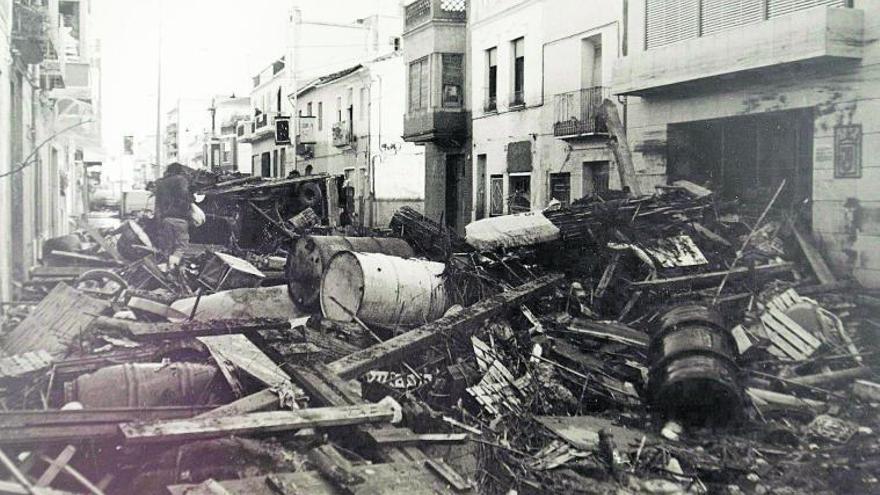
(519, 72)
(492, 76)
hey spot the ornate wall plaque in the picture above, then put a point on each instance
(848, 151)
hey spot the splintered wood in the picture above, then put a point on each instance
(397, 348)
(55, 324)
(253, 423)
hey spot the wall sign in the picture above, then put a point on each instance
(848, 151)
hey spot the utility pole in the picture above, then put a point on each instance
(293, 25)
(159, 93)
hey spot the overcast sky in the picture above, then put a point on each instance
(209, 47)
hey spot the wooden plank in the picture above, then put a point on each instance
(450, 475)
(82, 480)
(405, 437)
(814, 258)
(55, 323)
(12, 488)
(16, 473)
(87, 258)
(764, 270)
(411, 478)
(54, 426)
(398, 348)
(56, 465)
(22, 364)
(242, 353)
(106, 246)
(143, 331)
(253, 423)
(68, 272)
(259, 401)
(335, 468)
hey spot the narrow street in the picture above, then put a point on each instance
(439, 247)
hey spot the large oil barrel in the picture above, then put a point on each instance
(383, 290)
(694, 377)
(142, 385)
(311, 254)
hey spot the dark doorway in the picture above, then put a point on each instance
(594, 178)
(560, 187)
(747, 158)
(520, 194)
(454, 176)
(265, 164)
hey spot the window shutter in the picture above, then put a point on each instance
(424, 84)
(415, 70)
(782, 7)
(719, 15)
(669, 21)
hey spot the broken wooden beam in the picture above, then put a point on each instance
(253, 423)
(396, 349)
(29, 427)
(620, 147)
(159, 331)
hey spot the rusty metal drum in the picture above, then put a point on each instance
(142, 385)
(382, 290)
(694, 377)
(310, 255)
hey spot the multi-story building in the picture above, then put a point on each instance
(224, 152)
(744, 95)
(438, 104)
(354, 118)
(187, 126)
(541, 71)
(273, 86)
(50, 123)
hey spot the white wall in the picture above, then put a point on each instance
(493, 25)
(5, 165)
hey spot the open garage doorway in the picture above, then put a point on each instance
(747, 157)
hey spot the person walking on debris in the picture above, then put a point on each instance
(173, 203)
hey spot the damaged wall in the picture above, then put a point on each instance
(838, 91)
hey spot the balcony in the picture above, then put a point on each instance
(30, 33)
(342, 135)
(423, 11)
(435, 124)
(814, 35)
(577, 113)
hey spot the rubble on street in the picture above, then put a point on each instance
(664, 343)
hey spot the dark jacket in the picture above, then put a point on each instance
(173, 198)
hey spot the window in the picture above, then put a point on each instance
(338, 109)
(519, 72)
(496, 199)
(419, 84)
(309, 109)
(560, 187)
(278, 99)
(520, 194)
(275, 163)
(363, 104)
(453, 79)
(595, 177)
(320, 115)
(281, 158)
(491, 80)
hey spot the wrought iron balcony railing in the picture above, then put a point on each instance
(421, 11)
(578, 112)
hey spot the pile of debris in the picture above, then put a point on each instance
(661, 344)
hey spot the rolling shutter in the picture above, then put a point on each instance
(719, 15)
(669, 21)
(776, 8)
